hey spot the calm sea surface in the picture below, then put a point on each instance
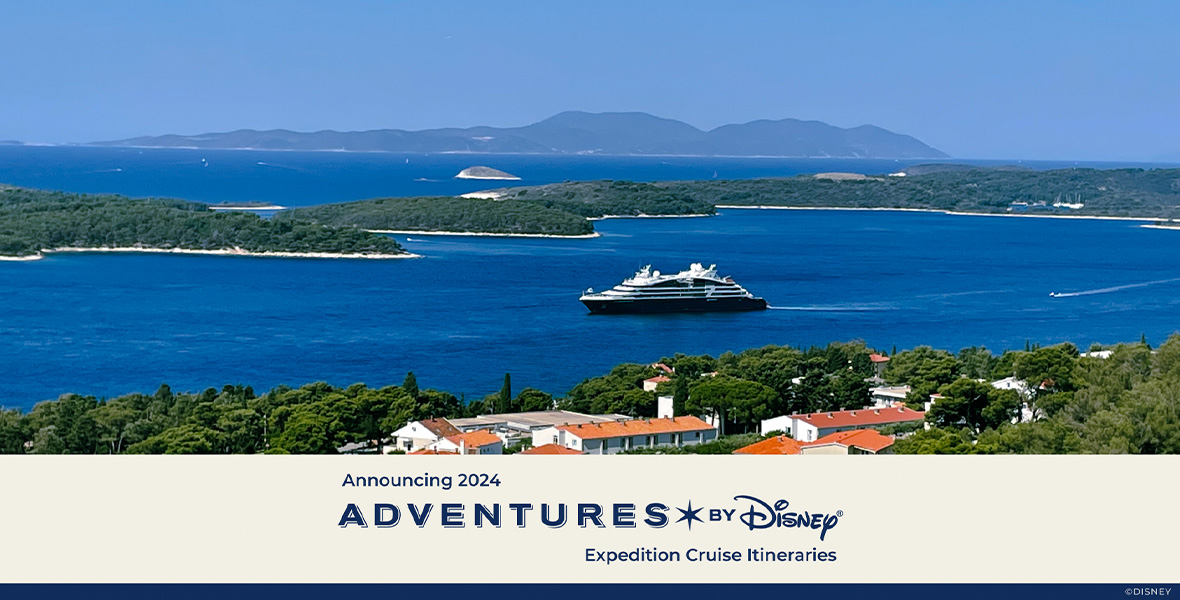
(476, 308)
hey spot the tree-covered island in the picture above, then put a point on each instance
(1122, 399)
(559, 209)
(35, 221)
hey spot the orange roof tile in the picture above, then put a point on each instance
(658, 379)
(877, 358)
(779, 444)
(861, 417)
(474, 439)
(636, 427)
(663, 367)
(440, 427)
(550, 449)
(868, 439)
(429, 451)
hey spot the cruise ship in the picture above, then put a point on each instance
(696, 290)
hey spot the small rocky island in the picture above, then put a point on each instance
(485, 173)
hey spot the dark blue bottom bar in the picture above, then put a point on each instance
(837, 591)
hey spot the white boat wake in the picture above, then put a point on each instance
(1108, 290)
(837, 308)
(276, 166)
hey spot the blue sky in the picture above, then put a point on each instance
(1017, 80)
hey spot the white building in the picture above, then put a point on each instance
(665, 407)
(517, 427)
(619, 436)
(1012, 383)
(417, 435)
(650, 384)
(888, 396)
(858, 441)
(1020, 387)
(813, 426)
(782, 423)
(472, 442)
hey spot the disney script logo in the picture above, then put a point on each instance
(763, 515)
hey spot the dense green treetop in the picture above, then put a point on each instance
(620, 198)
(1127, 403)
(446, 214)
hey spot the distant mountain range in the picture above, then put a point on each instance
(581, 133)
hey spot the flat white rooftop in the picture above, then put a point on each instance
(534, 420)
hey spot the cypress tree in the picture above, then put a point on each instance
(410, 384)
(505, 401)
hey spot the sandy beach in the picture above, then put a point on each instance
(945, 212)
(462, 176)
(479, 234)
(642, 216)
(45, 252)
(266, 207)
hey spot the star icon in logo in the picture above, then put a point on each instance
(690, 515)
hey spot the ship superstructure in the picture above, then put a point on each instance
(698, 289)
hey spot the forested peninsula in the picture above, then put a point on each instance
(561, 210)
(1122, 399)
(1138, 193)
(33, 222)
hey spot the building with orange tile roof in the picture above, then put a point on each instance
(428, 451)
(618, 436)
(417, 435)
(550, 449)
(812, 426)
(857, 441)
(879, 364)
(650, 384)
(519, 427)
(779, 444)
(480, 441)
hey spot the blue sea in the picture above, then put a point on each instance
(476, 308)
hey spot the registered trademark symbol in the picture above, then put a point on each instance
(839, 513)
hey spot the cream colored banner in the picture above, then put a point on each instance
(275, 519)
